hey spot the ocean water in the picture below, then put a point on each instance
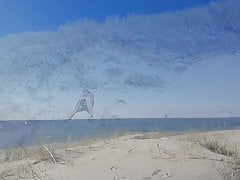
(24, 133)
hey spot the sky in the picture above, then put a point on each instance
(18, 16)
(37, 77)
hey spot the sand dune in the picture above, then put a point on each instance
(129, 157)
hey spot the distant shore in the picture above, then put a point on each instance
(119, 118)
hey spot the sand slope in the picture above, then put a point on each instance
(131, 157)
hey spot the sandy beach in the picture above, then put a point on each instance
(146, 156)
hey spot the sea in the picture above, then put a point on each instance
(32, 132)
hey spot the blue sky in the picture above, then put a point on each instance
(35, 15)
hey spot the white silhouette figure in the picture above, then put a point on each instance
(86, 103)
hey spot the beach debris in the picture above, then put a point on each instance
(114, 168)
(156, 172)
(54, 160)
(167, 175)
(153, 135)
(162, 152)
(141, 137)
(203, 157)
(47, 153)
(105, 142)
(120, 178)
(5, 174)
(132, 152)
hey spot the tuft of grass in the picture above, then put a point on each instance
(219, 147)
(46, 153)
(235, 168)
(222, 146)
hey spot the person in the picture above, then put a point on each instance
(86, 103)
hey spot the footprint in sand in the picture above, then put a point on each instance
(156, 174)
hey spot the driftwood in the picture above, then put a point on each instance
(54, 160)
(203, 157)
(161, 151)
